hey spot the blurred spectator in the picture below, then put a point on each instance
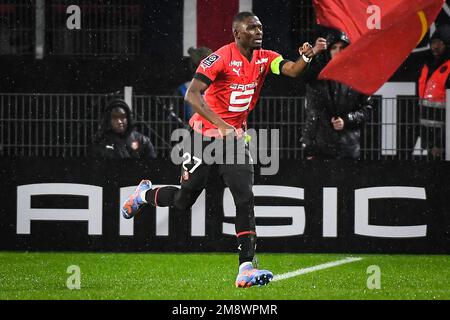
(117, 138)
(196, 56)
(433, 82)
(334, 112)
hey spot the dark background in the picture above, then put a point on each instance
(159, 66)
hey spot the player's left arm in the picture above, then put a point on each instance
(307, 53)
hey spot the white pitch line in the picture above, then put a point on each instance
(314, 268)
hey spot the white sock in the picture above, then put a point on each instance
(245, 264)
(143, 196)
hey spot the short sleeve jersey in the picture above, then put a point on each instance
(234, 84)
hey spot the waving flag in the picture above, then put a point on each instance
(377, 48)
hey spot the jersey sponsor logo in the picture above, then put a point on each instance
(240, 100)
(262, 60)
(243, 87)
(235, 63)
(210, 60)
(241, 97)
(237, 71)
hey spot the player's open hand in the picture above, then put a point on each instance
(226, 130)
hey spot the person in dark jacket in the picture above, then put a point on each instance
(335, 112)
(117, 138)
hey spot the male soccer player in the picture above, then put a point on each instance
(231, 79)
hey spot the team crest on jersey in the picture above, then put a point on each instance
(262, 69)
(210, 60)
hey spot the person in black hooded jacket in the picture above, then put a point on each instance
(117, 138)
(335, 112)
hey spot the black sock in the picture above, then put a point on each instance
(246, 246)
(161, 197)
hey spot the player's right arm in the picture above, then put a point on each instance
(194, 96)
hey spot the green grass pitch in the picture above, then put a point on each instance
(211, 276)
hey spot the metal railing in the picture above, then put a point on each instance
(60, 125)
(108, 28)
(63, 125)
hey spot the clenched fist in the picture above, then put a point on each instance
(309, 51)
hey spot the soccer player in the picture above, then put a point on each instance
(230, 79)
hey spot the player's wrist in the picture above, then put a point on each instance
(306, 59)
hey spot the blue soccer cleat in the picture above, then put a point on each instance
(135, 203)
(249, 276)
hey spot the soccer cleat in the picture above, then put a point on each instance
(250, 276)
(135, 203)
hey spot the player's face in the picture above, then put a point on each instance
(437, 47)
(119, 121)
(337, 48)
(250, 33)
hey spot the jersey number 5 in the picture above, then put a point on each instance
(240, 100)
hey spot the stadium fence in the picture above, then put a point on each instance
(63, 125)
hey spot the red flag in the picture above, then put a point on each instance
(374, 54)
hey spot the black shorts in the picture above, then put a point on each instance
(231, 156)
(230, 152)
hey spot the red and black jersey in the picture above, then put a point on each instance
(234, 84)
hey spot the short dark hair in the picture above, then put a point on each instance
(241, 16)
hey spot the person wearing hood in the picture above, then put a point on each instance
(335, 113)
(117, 138)
(433, 82)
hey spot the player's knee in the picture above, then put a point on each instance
(185, 200)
